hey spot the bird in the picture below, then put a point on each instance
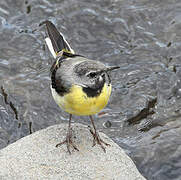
(80, 86)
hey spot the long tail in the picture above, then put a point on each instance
(56, 41)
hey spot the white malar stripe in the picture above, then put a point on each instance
(50, 47)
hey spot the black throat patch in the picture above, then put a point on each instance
(94, 90)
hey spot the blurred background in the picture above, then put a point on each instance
(142, 36)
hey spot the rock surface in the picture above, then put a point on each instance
(36, 157)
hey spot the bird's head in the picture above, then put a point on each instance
(93, 75)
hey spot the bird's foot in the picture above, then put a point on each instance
(98, 140)
(68, 141)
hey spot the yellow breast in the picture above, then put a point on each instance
(78, 103)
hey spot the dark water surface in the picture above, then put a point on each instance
(142, 36)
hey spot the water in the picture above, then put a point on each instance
(143, 37)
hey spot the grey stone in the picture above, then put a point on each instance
(36, 157)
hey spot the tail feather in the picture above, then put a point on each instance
(56, 41)
(50, 47)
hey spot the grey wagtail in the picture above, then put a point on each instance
(79, 86)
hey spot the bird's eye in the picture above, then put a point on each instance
(92, 75)
(103, 75)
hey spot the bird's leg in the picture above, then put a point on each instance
(97, 137)
(68, 139)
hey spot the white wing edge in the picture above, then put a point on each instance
(50, 46)
(72, 51)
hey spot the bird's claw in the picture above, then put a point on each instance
(68, 141)
(98, 140)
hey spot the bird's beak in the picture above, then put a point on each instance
(110, 68)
